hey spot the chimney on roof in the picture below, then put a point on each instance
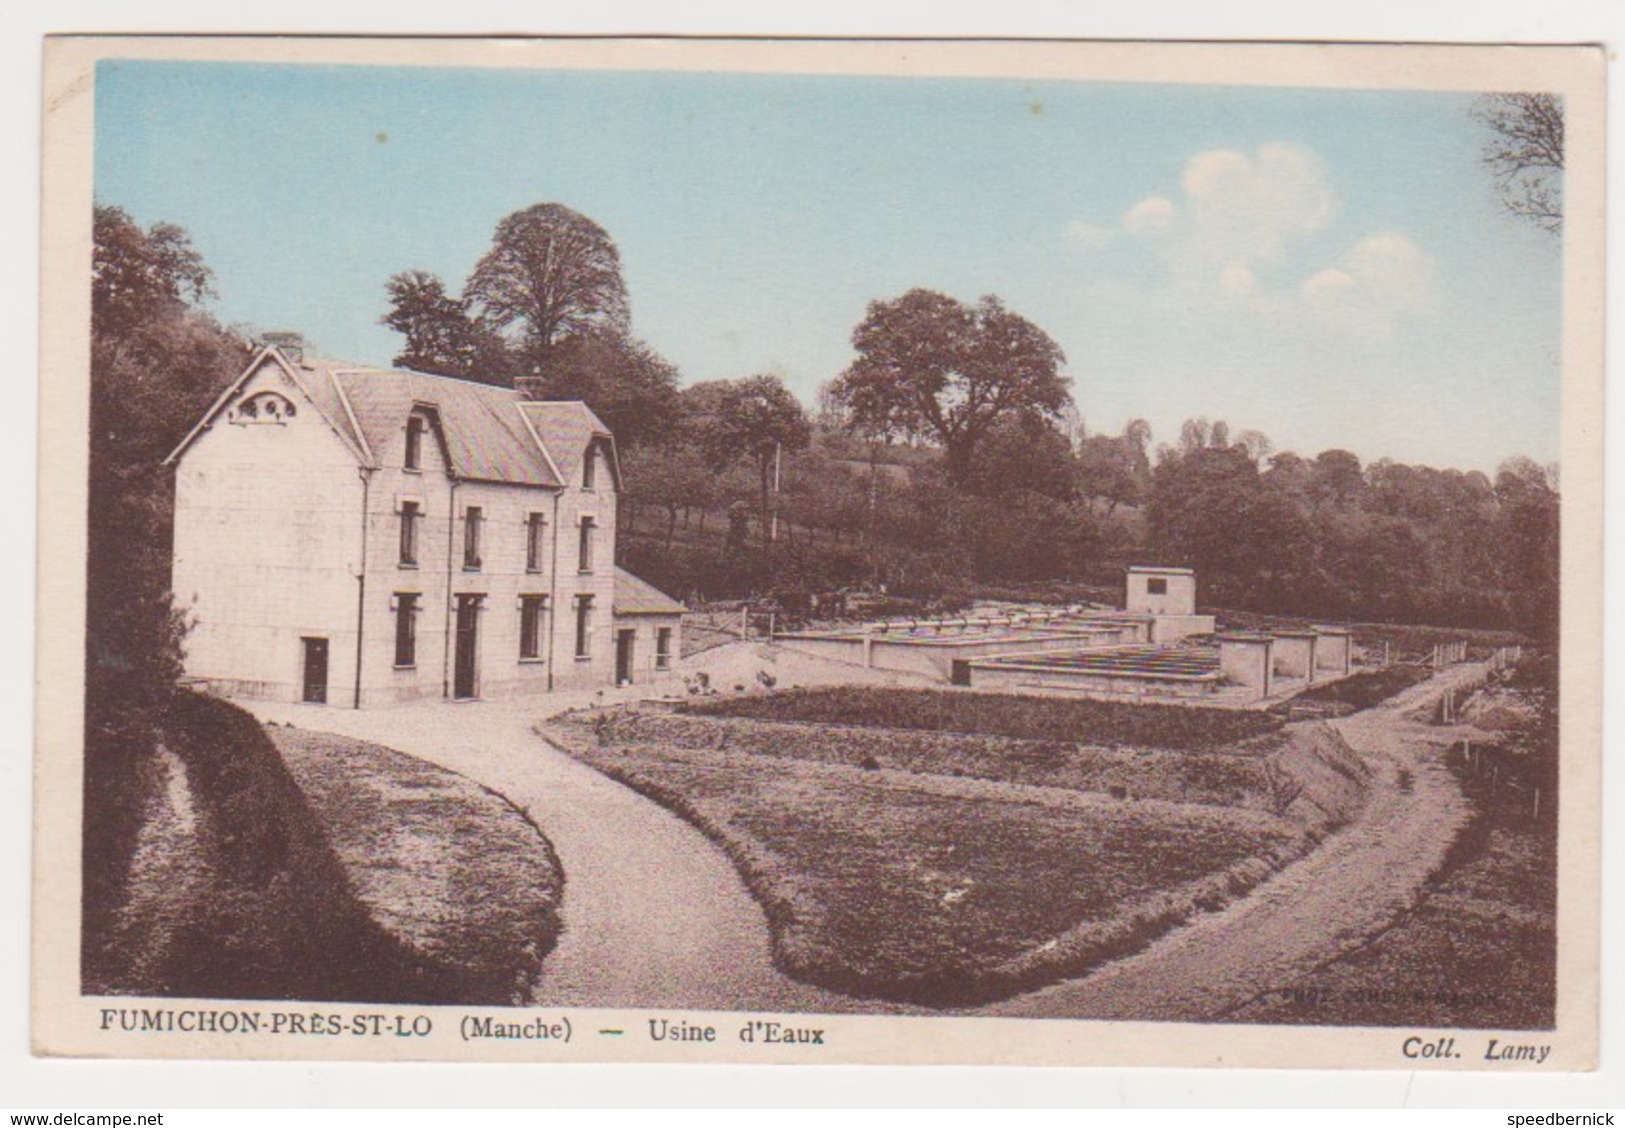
(529, 387)
(290, 345)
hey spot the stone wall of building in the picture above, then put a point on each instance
(268, 547)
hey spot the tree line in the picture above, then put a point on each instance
(947, 457)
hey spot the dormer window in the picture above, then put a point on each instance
(589, 467)
(415, 426)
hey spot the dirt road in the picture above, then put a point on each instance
(1342, 893)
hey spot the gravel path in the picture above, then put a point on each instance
(654, 914)
(1333, 900)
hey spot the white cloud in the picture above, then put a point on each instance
(1327, 284)
(1252, 207)
(1150, 216)
(1382, 279)
(1089, 234)
(1244, 231)
(1237, 279)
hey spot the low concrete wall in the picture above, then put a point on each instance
(1092, 683)
(934, 657)
(1172, 628)
(1295, 655)
(1246, 661)
(1334, 654)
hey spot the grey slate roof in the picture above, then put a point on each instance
(565, 428)
(485, 433)
(491, 434)
(637, 597)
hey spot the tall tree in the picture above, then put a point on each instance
(756, 418)
(1116, 468)
(155, 365)
(1524, 153)
(442, 334)
(551, 273)
(1531, 544)
(631, 387)
(930, 365)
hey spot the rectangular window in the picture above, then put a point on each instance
(663, 648)
(410, 512)
(587, 527)
(531, 610)
(589, 468)
(535, 542)
(472, 518)
(406, 629)
(1156, 587)
(583, 626)
(414, 442)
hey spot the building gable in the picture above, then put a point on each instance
(272, 391)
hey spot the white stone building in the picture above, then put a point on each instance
(360, 536)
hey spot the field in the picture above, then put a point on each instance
(942, 867)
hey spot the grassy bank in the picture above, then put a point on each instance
(222, 883)
(1363, 689)
(453, 870)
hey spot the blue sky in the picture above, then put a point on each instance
(1329, 267)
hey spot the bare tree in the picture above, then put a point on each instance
(1524, 152)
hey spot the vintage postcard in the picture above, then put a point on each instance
(820, 552)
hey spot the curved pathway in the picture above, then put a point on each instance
(1316, 909)
(654, 914)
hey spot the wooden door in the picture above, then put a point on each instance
(625, 640)
(465, 674)
(315, 670)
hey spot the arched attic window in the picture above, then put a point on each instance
(263, 407)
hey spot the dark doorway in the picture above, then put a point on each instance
(315, 670)
(624, 642)
(465, 680)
